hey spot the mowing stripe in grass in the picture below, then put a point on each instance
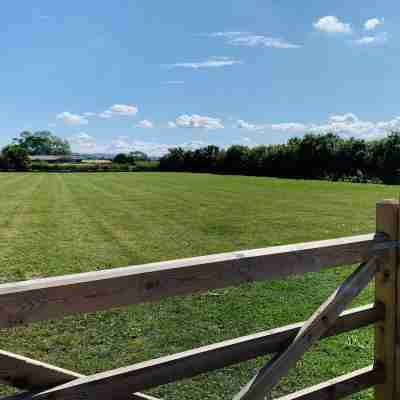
(166, 216)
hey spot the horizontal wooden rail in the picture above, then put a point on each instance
(41, 299)
(119, 383)
(32, 395)
(340, 387)
(24, 373)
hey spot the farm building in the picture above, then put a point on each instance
(71, 158)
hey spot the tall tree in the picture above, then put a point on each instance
(14, 157)
(43, 143)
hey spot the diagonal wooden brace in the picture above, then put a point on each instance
(320, 322)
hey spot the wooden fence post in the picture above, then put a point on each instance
(386, 293)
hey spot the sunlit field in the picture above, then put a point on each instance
(54, 224)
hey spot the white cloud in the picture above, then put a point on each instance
(391, 125)
(373, 23)
(347, 124)
(120, 144)
(231, 34)
(342, 124)
(171, 124)
(262, 41)
(72, 119)
(378, 39)
(145, 124)
(283, 127)
(249, 39)
(123, 109)
(83, 141)
(332, 24)
(198, 121)
(348, 118)
(123, 144)
(173, 82)
(115, 110)
(212, 62)
(294, 127)
(105, 114)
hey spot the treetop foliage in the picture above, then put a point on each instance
(14, 157)
(130, 158)
(43, 143)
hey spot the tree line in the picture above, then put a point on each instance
(314, 156)
(17, 155)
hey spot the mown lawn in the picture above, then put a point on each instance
(53, 224)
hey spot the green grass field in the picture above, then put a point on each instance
(53, 224)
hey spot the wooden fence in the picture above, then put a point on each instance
(378, 255)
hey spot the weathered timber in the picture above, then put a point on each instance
(341, 387)
(119, 383)
(41, 299)
(386, 293)
(25, 373)
(319, 323)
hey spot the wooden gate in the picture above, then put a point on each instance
(378, 255)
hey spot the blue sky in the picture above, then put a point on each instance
(147, 75)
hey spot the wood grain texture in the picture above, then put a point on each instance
(319, 323)
(386, 293)
(168, 369)
(25, 302)
(25, 373)
(335, 389)
(31, 395)
(341, 387)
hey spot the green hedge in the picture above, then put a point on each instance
(326, 156)
(93, 167)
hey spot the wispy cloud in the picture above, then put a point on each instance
(241, 124)
(378, 39)
(172, 82)
(249, 39)
(293, 127)
(332, 24)
(72, 119)
(263, 41)
(212, 62)
(228, 34)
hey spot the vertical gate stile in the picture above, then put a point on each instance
(386, 293)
